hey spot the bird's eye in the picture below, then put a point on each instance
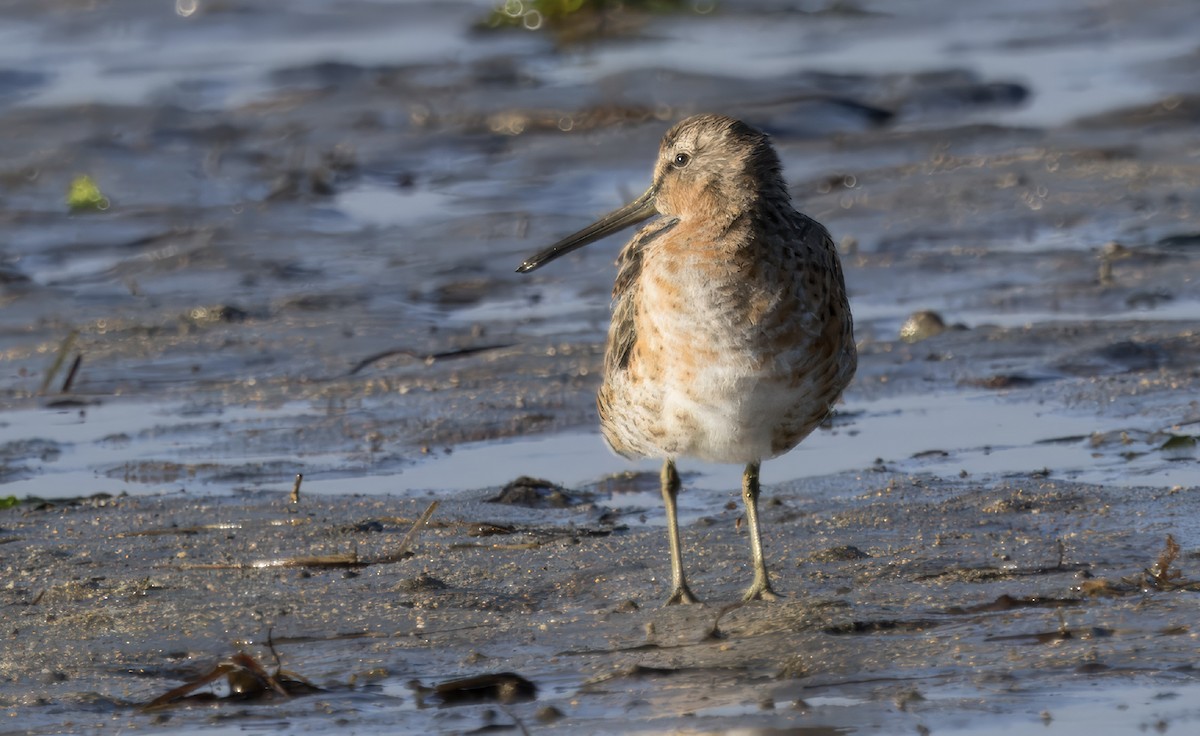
(682, 159)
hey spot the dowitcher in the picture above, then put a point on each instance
(731, 336)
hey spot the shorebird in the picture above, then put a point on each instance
(731, 335)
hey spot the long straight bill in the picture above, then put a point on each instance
(639, 209)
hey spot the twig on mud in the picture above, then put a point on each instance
(517, 721)
(342, 560)
(1161, 575)
(200, 528)
(63, 348)
(271, 647)
(459, 353)
(183, 530)
(295, 497)
(246, 679)
(409, 538)
(348, 559)
(545, 536)
(70, 379)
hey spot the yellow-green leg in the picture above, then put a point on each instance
(680, 593)
(760, 589)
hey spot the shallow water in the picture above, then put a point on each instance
(139, 448)
(307, 265)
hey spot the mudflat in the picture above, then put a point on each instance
(300, 262)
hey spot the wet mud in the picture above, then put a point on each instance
(301, 261)
(911, 602)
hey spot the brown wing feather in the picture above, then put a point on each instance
(621, 334)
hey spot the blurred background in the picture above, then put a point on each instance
(244, 239)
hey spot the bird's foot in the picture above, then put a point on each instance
(682, 594)
(761, 590)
